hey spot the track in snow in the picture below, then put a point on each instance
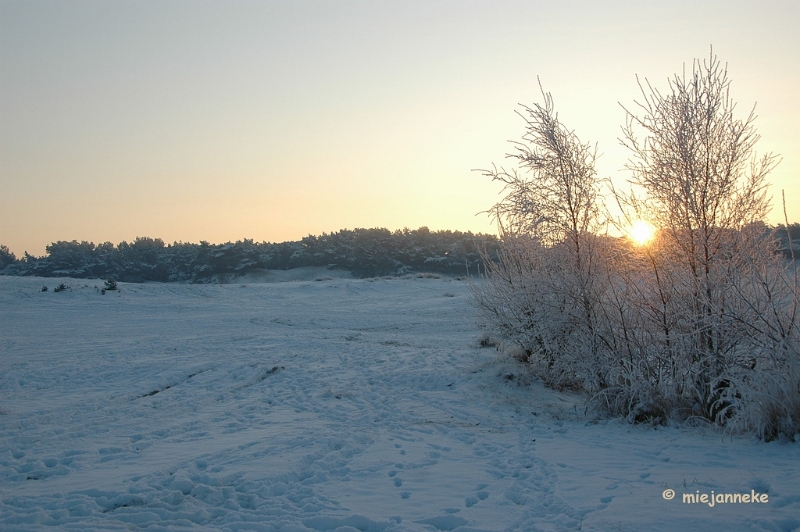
(342, 404)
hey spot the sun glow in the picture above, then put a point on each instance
(641, 232)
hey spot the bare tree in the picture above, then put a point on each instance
(554, 197)
(544, 291)
(703, 187)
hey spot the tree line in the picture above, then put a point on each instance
(364, 252)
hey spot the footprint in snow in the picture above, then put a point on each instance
(480, 495)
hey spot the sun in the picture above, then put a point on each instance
(641, 232)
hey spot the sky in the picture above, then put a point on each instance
(273, 120)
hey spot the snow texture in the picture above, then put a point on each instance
(339, 405)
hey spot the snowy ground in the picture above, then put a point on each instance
(340, 405)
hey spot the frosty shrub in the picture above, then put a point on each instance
(110, 284)
(698, 323)
(765, 388)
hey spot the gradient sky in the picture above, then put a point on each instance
(272, 120)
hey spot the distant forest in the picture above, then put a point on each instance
(364, 252)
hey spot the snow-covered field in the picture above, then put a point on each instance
(334, 405)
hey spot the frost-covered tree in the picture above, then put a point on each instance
(544, 291)
(705, 190)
